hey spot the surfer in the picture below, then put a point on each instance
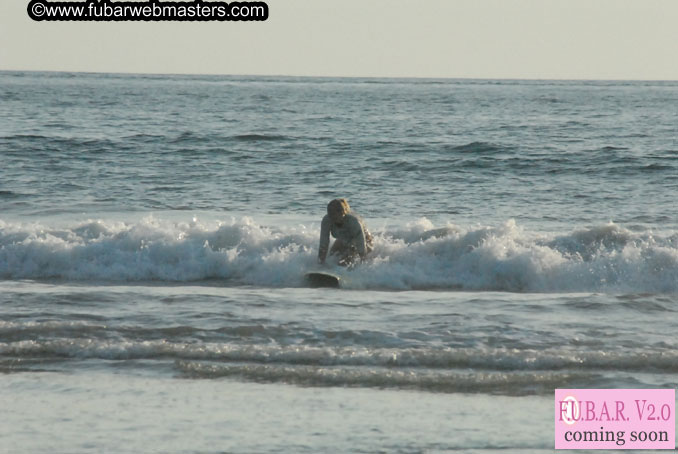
(353, 241)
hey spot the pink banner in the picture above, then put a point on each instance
(615, 419)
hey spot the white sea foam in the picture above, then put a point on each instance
(606, 258)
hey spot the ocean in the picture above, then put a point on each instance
(155, 231)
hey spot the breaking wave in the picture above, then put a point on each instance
(605, 258)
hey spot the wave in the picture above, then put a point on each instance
(443, 358)
(188, 138)
(477, 148)
(606, 258)
(10, 194)
(430, 381)
(496, 371)
(69, 147)
(259, 137)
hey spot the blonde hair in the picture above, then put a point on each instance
(337, 205)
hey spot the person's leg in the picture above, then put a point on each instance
(346, 253)
(338, 248)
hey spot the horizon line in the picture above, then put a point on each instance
(189, 74)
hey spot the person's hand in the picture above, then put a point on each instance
(348, 261)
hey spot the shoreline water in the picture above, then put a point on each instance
(178, 416)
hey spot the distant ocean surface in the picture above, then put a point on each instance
(155, 231)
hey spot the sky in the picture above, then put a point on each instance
(514, 39)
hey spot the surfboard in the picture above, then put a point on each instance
(318, 280)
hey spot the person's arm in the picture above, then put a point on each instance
(324, 239)
(359, 240)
